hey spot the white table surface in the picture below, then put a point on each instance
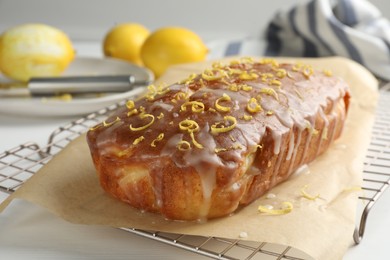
(30, 232)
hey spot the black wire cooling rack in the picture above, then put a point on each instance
(20, 163)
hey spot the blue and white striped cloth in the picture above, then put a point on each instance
(349, 28)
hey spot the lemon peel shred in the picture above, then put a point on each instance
(234, 71)
(105, 124)
(216, 129)
(218, 150)
(189, 125)
(307, 195)
(132, 112)
(327, 73)
(179, 96)
(183, 145)
(270, 92)
(188, 80)
(130, 104)
(161, 115)
(249, 60)
(221, 108)
(159, 90)
(138, 140)
(273, 62)
(95, 127)
(275, 82)
(288, 207)
(253, 106)
(196, 143)
(217, 65)
(246, 87)
(158, 139)
(280, 73)
(143, 116)
(209, 75)
(196, 106)
(234, 87)
(247, 117)
(248, 76)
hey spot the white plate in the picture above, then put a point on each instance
(78, 106)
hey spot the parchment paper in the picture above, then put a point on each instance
(323, 228)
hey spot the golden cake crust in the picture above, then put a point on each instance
(202, 147)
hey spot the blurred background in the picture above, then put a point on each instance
(89, 20)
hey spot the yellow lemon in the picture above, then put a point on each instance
(124, 41)
(172, 45)
(34, 50)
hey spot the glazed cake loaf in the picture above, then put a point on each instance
(200, 148)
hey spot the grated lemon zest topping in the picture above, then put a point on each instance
(247, 117)
(288, 207)
(95, 127)
(248, 76)
(307, 71)
(246, 87)
(161, 115)
(158, 139)
(183, 145)
(234, 71)
(132, 112)
(105, 124)
(275, 82)
(234, 87)
(249, 60)
(328, 73)
(217, 65)
(189, 125)
(138, 140)
(196, 106)
(180, 96)
(281, 73)
(188, 80)
(297, 67)
(307, 195)
(130, 104)
(153, 91)
(196, 143)
(209, 75)
(221, 108)
(253, 106)
(215, 129)
(218, 150)
(270, 92)
(142, 116)
(273, 62)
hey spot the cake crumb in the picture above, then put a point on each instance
(243, 234)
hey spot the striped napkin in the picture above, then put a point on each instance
(350, 28)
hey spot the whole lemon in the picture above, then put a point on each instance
(171, 45)
(34, 50)
(124, 41)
